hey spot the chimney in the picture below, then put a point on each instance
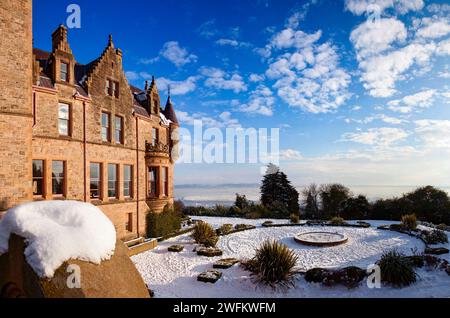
(59, 40)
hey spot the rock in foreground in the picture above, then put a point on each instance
(210, 276)
(209, 251)
(176, 248)
(225, 263)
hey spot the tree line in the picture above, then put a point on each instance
(279, 199)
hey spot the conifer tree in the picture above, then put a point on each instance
(277, 193)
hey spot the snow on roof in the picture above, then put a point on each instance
(164, 120)
(57, 231)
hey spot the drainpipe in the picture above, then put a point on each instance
(137, 176)
(84, 151)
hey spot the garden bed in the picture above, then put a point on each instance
(175, 275)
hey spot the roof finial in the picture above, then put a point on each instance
(110, 40)
(168, 90)
(146, 85)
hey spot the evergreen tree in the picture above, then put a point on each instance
(278, 194)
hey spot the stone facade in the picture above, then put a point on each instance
(15, 102)
(35, 88)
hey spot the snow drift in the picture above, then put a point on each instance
(56, 231)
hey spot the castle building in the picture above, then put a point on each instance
(70, 131)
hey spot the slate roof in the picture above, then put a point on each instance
(81, 73)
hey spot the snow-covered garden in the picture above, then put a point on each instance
(171, 274)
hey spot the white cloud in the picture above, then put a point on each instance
(176, 54)
(438, 8)
(178, 87)
(223, 120)
(310, 78)
(415, 102)
(233, 43)
(289, 38)
(433, 28)
(219, 79)
(261, 102)
(132, 76)
(208, 29)
(380, 137)
(434, 133)
(377, 36)
(290, 155)
(384, 58)
(360, 7)
(381, 72)
(382, 117)
(254, 78)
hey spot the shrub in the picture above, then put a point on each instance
(337, 221)
(225, 229)
(396, 269)
(442, 227)
(241, 201)
(205, 234)
(273, 264)
(162, 224)
(256, 211)
(295, 218)
(436, 237)
(409, 222)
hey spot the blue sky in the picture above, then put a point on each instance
(359, 88)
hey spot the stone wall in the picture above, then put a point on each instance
(29, 126)
(15, 102)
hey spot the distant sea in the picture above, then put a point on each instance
(210, 195)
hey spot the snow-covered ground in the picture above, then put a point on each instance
(175, 275)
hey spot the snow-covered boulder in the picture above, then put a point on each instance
(57, 231)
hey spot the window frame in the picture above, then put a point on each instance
(116, 181)
(129, 182)
(42, 178)
(108, 87)
(121, 140)
(115, 89)
(100, 181)
(150, 193)
(108, 128)
(155, 136)
(67, 77)
(64, 179)
(69, 119)
(165, 181)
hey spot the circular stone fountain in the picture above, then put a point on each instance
(321, 239)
